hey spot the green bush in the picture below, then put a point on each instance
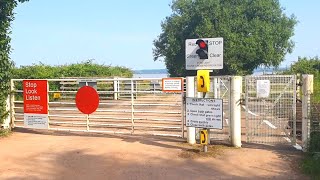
(311, 165)
(314, 142)
(83, 69)
(308, 66)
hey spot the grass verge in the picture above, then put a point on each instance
(4, 132)
(311, 165)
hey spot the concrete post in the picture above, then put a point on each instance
(307, 90)
(190, 92)
(235, 110)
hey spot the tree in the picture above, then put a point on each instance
(6, 17)
(255, 33)
(306, 65)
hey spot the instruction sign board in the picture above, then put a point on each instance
(263, 88)
(215, 54)
(172, 84)
(204, 113)
(35, 104)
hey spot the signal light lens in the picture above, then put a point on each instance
(203, 49)
(202, 45)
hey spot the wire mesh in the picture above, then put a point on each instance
(271, 119)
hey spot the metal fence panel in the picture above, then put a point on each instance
(271, 119)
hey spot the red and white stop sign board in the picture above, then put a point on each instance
(35, 104)
(87, 99)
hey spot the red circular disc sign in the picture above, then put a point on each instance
(87, 99)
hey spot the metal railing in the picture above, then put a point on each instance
(127, 105)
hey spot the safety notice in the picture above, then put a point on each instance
(204, 113)
(172, 84)
(35, 100)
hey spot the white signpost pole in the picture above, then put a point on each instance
(190, 92)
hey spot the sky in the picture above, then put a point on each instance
(120, 33)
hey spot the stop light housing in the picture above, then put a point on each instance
(203, 49)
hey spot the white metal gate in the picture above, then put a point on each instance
(127, 105)
(271, 119)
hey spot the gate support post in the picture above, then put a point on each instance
(190, 92)
(307, 90)
(235, 110)
(115, 89)
(12, 105)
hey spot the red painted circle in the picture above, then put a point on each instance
(87, 99)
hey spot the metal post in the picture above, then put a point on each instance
(12, 105)
(216, 87)
(235, 110)
(48, 88)
(87, 118)
(132, 107)
(307, 90)
(115, 89)
(205, 148)
(190, 92)
(118, 88)
(182, 114)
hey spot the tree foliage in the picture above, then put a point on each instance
(255, 33)
(306, 65)
(6, 17)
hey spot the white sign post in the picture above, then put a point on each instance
(215, 54)
(204, 113)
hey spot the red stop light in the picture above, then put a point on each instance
(203, 49)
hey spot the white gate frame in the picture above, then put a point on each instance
(116, 91)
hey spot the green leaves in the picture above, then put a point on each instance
(83, 69)
(254, 32)
(6, 17)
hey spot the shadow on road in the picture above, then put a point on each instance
(143, 139)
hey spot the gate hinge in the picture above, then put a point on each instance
(242, 101)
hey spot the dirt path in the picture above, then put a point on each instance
(52, 155)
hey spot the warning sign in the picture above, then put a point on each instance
(172, 84)
(35, 101)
